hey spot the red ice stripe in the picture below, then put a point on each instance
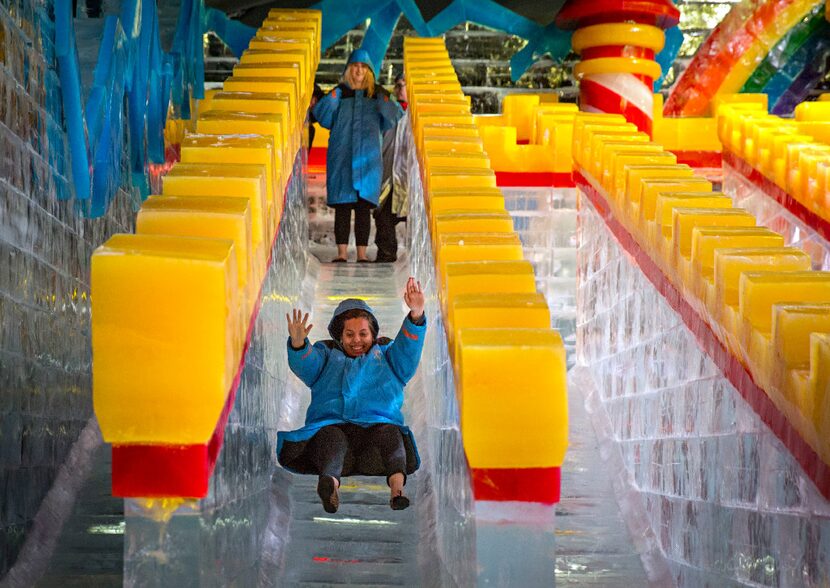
(145, 471)
(699, 158)
(545, 179)
(517, 484)
(317, 157)
(729, 365)
(606, 100)
(815, 221)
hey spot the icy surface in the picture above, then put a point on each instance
(717, 492)
(545, 220)
(770, 213)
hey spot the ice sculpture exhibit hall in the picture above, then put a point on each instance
(619, 213)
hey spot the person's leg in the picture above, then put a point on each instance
(385, 237)
(328, 450)
(389, 441)
(362, 227)
(342, 228)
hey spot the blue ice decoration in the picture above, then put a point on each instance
(132, 71)
(382, 17)
(667, 55)
(540, 40)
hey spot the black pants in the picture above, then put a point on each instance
(330, 446)
(385, 236)
(362, 222)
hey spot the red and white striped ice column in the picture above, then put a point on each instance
(618, 40)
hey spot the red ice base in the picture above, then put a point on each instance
(819, 224)
(730, 367)
(699, 158)
(517, 484)
(317, 158)
(535, 179)
(147, 471)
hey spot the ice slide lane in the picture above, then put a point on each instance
(365, 542)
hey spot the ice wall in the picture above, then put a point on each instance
(710, 495)
(44, 299)
(235, 536)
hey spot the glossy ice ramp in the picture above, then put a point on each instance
(365, 542)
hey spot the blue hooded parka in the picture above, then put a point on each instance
(365, 390)
(354, 167)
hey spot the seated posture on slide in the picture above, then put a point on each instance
(354, 424)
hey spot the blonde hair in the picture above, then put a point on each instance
(369, 80)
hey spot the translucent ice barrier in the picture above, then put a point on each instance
(235, 534)
(711, 489)
(545, 219)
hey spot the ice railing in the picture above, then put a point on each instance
(176, 303)
(754, 305)
(485, 306)
(780, 170)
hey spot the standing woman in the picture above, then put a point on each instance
(357, 112)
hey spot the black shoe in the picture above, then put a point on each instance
(399, 502)
(327, 491)
(363, 261)
(385, 259)
(338, 260)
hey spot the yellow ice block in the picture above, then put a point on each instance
(471, 144)
(758, 291)
(273, 71)
(432, 118)
(812, 111)
(555, 131)
(439, 178)
(261, 103)
(470, 277)
(784, 146)
(512, 397)
(667, 202)
(282, 57)
(820, 385)
(454, 221)
(613, 151)
(447, 131)
(686, 219)
(621, 160)
(497, 311)
(650, 188)
(636, 174)
(590, 132)
(707, 240)
(202, 179)
(589, 119)
(477, 247)
(465, 159)
(279, 16)
(792, 325)
(480, 200)
(731, 263)
(266, 85)
(282, 39)
(518, 112)
(164, 331)
(216, 218)
(241, 149)
(218, 122)
(599, 141)
(272, 41)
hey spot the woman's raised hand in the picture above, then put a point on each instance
(413, 296)
(298, 330)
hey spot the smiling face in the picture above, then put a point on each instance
(357, 337)
(357, 73)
